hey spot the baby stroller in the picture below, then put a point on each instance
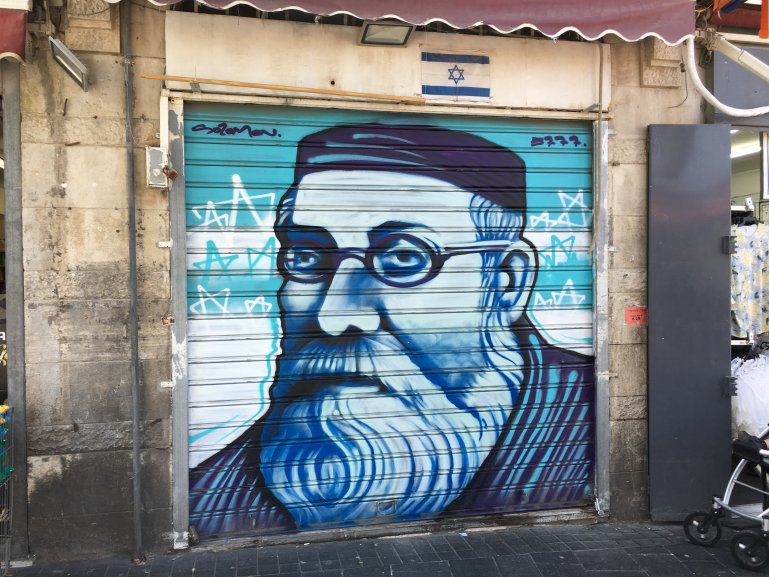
(750, 544)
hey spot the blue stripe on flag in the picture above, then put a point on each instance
(458, 58)
(455, 90)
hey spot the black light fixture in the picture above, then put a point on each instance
(69, 62)
(385, 33)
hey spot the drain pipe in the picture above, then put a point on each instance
(741, 58)
(125, 51)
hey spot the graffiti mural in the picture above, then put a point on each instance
(387, 321)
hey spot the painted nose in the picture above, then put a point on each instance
(346, 306)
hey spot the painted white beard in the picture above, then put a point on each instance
(347, 454)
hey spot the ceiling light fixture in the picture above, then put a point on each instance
(746, 150)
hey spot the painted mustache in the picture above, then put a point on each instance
(366, 363)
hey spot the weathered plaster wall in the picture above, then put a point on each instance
(77, 291)
(647, 88)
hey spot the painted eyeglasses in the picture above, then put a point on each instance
(397, 260)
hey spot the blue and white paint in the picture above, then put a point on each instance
(370, 345)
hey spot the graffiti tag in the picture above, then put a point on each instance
(551, 140)
(224, 129)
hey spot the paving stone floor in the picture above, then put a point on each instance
(599, 550)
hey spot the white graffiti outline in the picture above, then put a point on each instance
(204, 296)
(230, 219)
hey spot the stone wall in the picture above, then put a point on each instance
(647, 88)
(77, 291)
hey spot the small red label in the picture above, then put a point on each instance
(635, 315)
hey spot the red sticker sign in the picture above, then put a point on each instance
(635, 315)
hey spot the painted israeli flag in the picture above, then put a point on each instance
(456, 76)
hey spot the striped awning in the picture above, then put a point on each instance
(670, 20)
(13, 28)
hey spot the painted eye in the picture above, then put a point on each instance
(402, 259)
(303, 261)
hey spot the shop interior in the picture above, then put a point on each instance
(750, 280)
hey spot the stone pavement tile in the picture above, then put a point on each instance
(467, 554)
(474, 568)
(565, 570)
(330, 564)
(660, 565)
(619, 574)
(433, 569)
(576, 546)
(268, 564)
(387, 553)
(224, 568)
(568, 537)
(602, 544)
(549, 538)
(498, 545)
(563, 557)
(308, 560)
(367, 572)
(369, 560)
(284, 568)
(155, 571)
(446, 554)
(247, 557)
(648, 550)
(406, 551)
(644, 542)
(457, 542)
(478, 544)
(323, 574)
(708, 569)
(518, 545)
(536, 544)
(689, 552)
(606, 560)
(439, 543)
(350, 563)
(287, 556)
(430, 557)
(326, 551)
(184, 560)
(721, 554)
(403, 546)
(71, 569)
(203, 568)
(517, 566)
(421, 543)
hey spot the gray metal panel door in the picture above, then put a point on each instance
(689, 291)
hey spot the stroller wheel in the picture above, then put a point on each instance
(702, 529)
(750, 550)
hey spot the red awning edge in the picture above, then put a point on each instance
(672, 21)
(13, 33)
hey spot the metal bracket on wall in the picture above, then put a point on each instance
(728, 244)
(729, 386)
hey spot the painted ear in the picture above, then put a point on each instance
(517, 274)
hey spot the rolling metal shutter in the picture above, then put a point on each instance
(378, 343)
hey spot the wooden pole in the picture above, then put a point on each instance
(325, 91)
